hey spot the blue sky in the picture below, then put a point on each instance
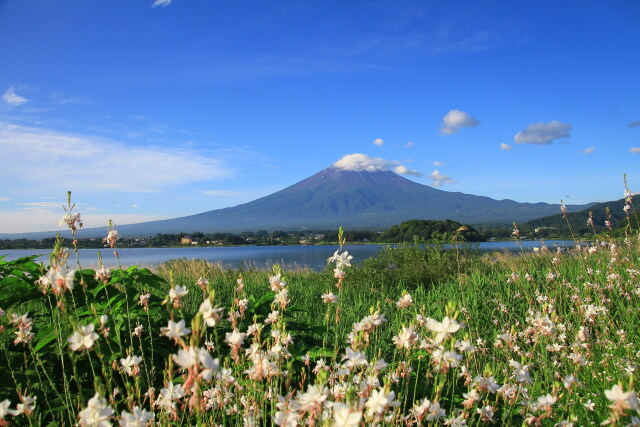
(149, 110)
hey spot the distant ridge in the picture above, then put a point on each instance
(355, 199)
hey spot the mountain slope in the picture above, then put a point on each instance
(356, 199)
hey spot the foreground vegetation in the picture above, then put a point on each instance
(415, 336)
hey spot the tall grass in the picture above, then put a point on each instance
(419, 335)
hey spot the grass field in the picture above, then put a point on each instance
(415, 336)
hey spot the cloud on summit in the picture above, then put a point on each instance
(362, 162)
(543, 133)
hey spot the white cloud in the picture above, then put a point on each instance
(589, 150)
(408, 144)
(635, 149)
(456, 119)
(135, 205)
(506, 147)
(224, 193)
(161, 3)
(58, 162)
(4, 199)
(362, 162)
(439, 179)
(403, 170)
(543, 133)
(438, 164)
(11, 97)
(378, 141)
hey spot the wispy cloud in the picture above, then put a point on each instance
(408, 144)
(634, 124)
(161, 3)
(12, 98)
(635, 150)
(378, 142)
(225, 193)
(4, 199)
(436, 163)
(543, 133)
(60, 161)
(589, 150)
(439, 179)
(506, 147)
(45, 219)
(455, 120)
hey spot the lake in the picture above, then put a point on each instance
(314, 257)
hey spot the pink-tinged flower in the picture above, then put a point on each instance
(26, 406)
(72, 219)
(442, 329)
(276, 282)
(112, 238)
(83, 338)
(103, 274)
(329, 297)
(622, 399)
(139, 418)
(98, 413)
(60, 279)
(175, 330)
(406, 338)
(405, 301)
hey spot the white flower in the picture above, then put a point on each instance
(344, 416)
(139, 418)
(4, 408)
(235, 338)
(341, 260)
(177, 292)
(83, 338)
(97, 413)
(186, 358)
(354, 358)
(209, 364)
(442, 329)
(175, 330)
(312, 399)
(521, 372)
(130, 364)
(168, 395)
(210, 315)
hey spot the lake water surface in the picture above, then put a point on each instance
(314, 257)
